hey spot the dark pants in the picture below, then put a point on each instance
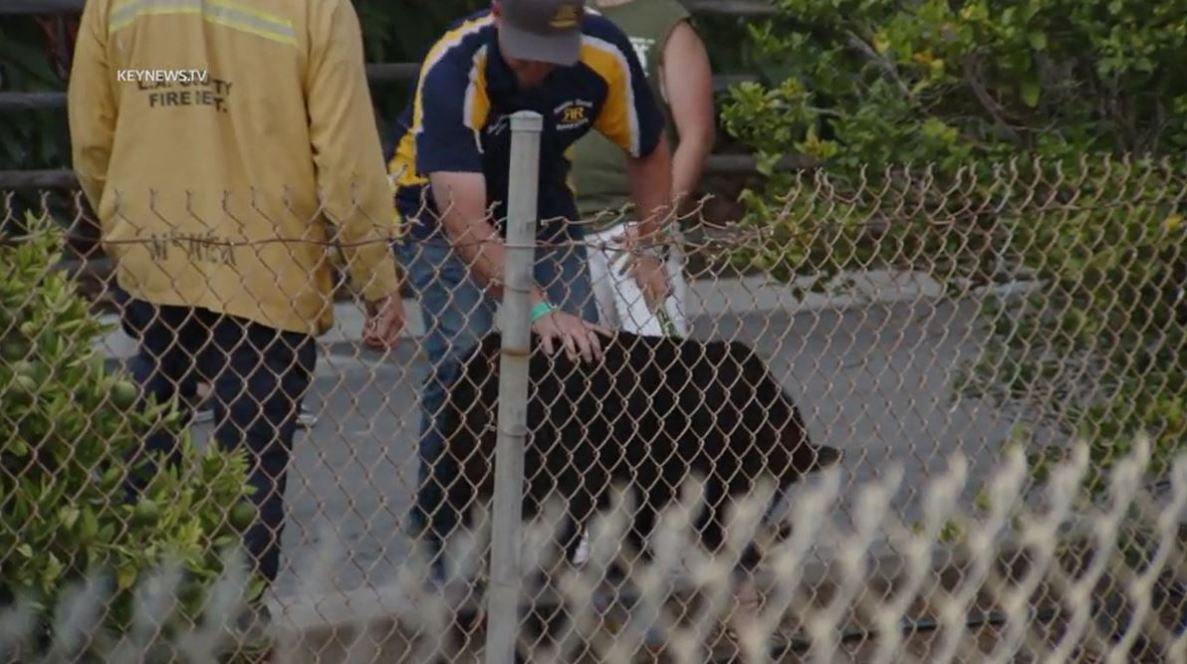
(259, 375)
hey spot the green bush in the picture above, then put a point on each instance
(862, 82)
(65, 425)
(990, 141)
(1099, 350)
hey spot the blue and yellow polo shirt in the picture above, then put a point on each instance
(458, 119)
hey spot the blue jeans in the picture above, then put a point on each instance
(259, 375)
(457, 313)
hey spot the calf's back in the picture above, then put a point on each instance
(654, 410)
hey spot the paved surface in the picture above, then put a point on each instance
(871, 378)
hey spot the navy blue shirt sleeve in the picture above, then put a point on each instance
(446, 139)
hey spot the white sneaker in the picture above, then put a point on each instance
(204, 412)
(306, 418)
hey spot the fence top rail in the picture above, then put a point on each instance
(718, 164)
(380, 72)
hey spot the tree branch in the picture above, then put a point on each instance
(972, 73)
(885, 65)
(1160, 122)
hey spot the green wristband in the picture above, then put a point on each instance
(542, 308)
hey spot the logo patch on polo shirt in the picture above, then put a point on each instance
(573, 114)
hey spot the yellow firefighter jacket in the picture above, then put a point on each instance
(215, 139)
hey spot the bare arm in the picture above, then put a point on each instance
(687, 81)
(651, 188)
(461, 198)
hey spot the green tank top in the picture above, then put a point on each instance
(598, 174)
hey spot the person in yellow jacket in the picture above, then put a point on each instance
(226, 146)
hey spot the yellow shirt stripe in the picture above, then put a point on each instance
(448, 41)
(477, 101)
(220, 12)
(619, 120)
(402, 166)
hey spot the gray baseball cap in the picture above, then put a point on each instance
(544, 30)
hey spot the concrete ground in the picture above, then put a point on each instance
(871, 373)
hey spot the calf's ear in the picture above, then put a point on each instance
(827, 456)
(806, 457)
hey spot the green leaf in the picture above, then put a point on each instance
(53, 570)
(90, 524)
(126, 576)
(69, 516)
(1038, 40)
(952, 531)
(981, 500)
(18, 448)
(1029, 90)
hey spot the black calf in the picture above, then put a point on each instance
(655, 411)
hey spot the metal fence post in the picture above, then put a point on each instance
(505, 576)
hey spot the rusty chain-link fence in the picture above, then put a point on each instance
(997, 352)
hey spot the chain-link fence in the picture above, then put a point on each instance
(1058, 583)
(995, 351)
